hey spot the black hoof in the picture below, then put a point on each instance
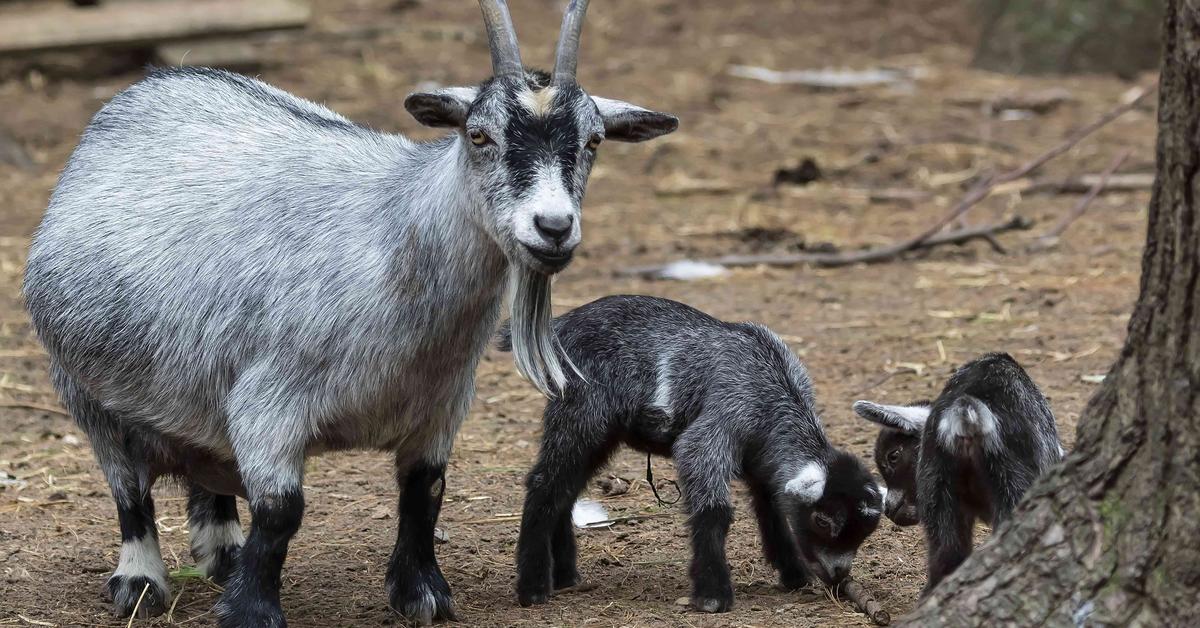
(792, 581)
(126, 595)
(532, 598)
(423, 598)
(222, 565)
(235, 610)
(713, 604)
(564, 580)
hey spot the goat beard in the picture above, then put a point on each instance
(536, 349)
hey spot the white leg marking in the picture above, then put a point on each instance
(143, 558)
(207, 540)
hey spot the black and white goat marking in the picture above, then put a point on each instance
(970, 454)
(725, 400)
(230, 279)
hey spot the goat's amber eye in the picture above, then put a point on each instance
(477, 137)
(594, 141)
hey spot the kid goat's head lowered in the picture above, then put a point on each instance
(530, 140)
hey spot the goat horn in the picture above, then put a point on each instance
(502, 38)
(566, 58)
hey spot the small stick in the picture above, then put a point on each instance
(1048, 239)
(869, 256)
(582, 587)
(136, 606)
(978, 192)
(860, 597)
(30, 405)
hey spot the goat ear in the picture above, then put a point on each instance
(444, 108)
(624, 122)
(809, 483)
(909, 419)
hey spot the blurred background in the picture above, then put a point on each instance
(807, 127)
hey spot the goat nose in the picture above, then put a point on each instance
(554, 227)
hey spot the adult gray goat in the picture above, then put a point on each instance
(229, 279)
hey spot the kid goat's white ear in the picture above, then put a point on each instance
(809, 483)
(624, 122)
(904, 418)
(445, 107)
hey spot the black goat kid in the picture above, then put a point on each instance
(971, 454)
(724, 400)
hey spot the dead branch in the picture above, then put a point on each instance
(1050, 238)
(866, 256)
(29, 405)
(981, 190)
(858, 595)
(1128, 182)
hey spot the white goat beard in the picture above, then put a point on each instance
(536, 350)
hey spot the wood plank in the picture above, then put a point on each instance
(141, 22)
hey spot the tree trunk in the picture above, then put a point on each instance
(1112, 535)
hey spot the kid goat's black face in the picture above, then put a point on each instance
(845, 512)
(531, 138)
(896, 449)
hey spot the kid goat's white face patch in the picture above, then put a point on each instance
(809, 483)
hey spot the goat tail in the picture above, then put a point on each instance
(530, 333)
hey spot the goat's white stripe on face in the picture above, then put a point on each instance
(538, 103)
(142, 557)
(809, 483)
(547, 197)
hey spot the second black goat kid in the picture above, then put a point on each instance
(724, 400)
(971, 454)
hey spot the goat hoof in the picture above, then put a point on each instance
(240, 611)
(562, 581)
(792, 582)
(425, 600)
(532, 598)
(221, 565)
(125, 593)
(712, 604)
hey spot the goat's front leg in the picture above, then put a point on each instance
(779, 545)
(416, 587)
(705, 466)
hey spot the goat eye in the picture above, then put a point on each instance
(893, 456)
(478, 137)
(594, 141)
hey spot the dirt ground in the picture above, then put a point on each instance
(892, 331)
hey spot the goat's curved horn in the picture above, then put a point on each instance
(502, 38)
(566, 58)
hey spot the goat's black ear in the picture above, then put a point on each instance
(444, 108)
(624, 122)
(909, 419)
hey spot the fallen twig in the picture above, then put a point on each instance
(1050, 238)
(858, 595)
(582, 587)
(868, 256)
(29, 405)
(981, 190)
(1129, 182)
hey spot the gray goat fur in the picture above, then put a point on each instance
(724, 400)
(229, 279)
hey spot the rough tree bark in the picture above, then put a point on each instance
(1112, 536)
